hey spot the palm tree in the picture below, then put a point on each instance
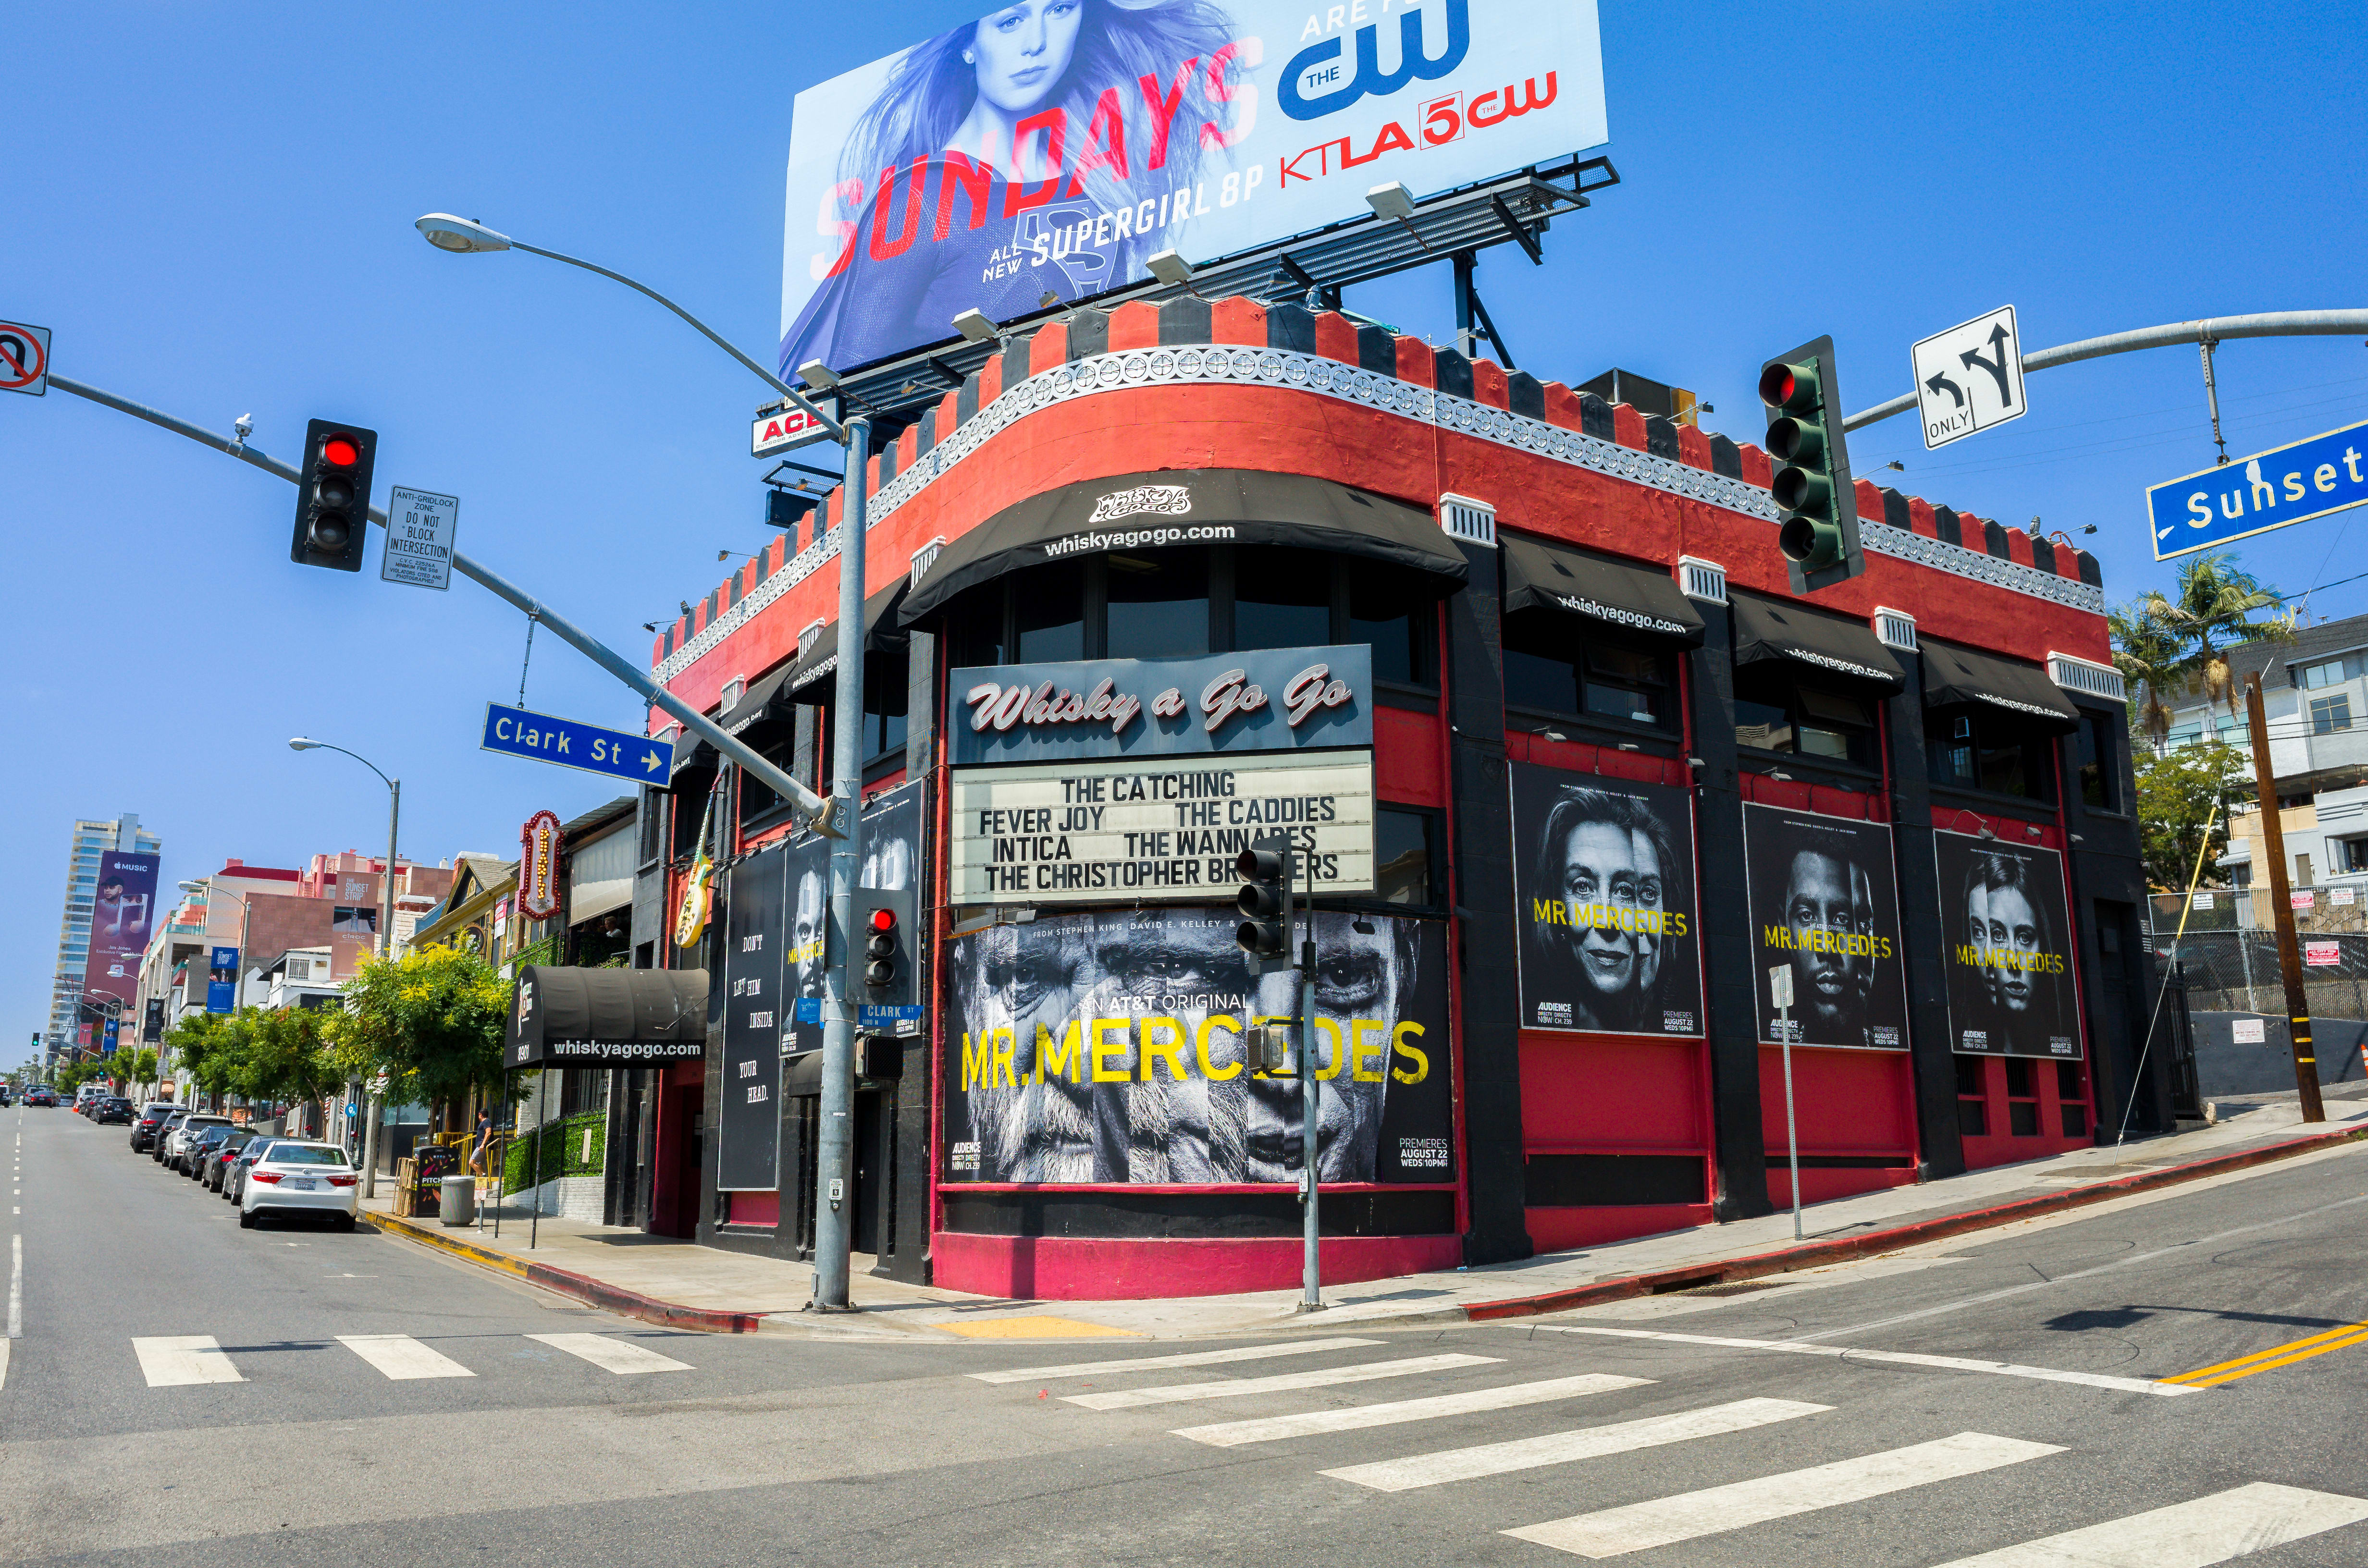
(2212, 611)
(2151, 659)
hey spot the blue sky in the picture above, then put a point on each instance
(212, 208)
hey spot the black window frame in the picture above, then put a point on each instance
(2325, 712)
(2097, 756)
(1988, 731)
(1763, 674)
(1523, 625)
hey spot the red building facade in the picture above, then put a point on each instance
(1912, 788)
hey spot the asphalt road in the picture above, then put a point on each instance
(2005, 1399)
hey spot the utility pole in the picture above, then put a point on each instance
(385, 952)
(1311, 1093)
(835, 1147)
(2274, 851)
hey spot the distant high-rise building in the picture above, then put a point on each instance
(92, 841)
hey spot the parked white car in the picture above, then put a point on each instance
(297, 1177)
(177, 1143)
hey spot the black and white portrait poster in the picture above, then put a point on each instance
(1105, 1047)
(1824, 899)
(890, 858)
(1604, 881)
(2010, 984)
(748, 1109)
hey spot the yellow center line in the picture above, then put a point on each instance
(2276, 1356)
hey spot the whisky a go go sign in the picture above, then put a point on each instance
(538, 874)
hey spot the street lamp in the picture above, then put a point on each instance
(463, 236)
(385, 930)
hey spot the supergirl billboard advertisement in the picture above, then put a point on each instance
(1053, 147)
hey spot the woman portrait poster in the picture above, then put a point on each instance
(1049, 148)
(2011, 980)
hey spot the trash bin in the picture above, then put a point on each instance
(458, 1201)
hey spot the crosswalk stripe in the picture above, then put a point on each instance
(2187, 1535)
(1190, 1358)
(1562, 1448)
(1608, 1533)
(1357, 1417)
(1895, 1357)
(617, 1355)
(402, 1358)
(1177, 1393)
(172, 1360)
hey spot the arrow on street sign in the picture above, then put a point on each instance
(2287, 484)
(571, 744)
(1969, 378)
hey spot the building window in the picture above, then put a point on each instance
(887, 691)
(1393, 611)
(1549, 669)
(1774, 712)
(757, 800)
(2099, 779)
(1048, 613)
(1980, 750)
(1282, 597)
(1158, 604)
(2329, 714)
(1403, 856)
(2355, 853)
(2328, 673)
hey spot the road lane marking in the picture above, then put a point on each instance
(2284, 1355)
(1893, 1357)
(2187, 1535)
(1190, 1358)
(402, 1358)
(1564, 1447)
(1988, 1296)
(1609, 1532)
(1178, 1393)
(3, 1363)
(1356, 1419)
(17, 1287)
(173, 1361)
(619, 1356)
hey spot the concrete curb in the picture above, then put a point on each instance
(1846, 1249)
(566, 1282)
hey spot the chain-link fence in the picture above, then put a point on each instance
(2237, 971)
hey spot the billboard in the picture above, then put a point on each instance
(748, 1110)
(1107, 1048)
(2009, 928)
(119, 918)
(1603, 878)
(1054, 146)
(1825, 898)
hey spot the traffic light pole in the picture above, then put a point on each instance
(836, 1146)
(1310, 1091)
(821, 813)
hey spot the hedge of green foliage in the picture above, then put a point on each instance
(563, 1151)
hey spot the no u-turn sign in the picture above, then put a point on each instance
(24, 358)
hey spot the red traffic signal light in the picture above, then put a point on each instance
(332, 497)
(341, 450)
(883, 920)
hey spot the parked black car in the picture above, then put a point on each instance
(114, 1110)
(200, 1149)
(148, 1123)
(218, 1157)
(234, 1184)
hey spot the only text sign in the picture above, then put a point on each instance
(421, 527)
(1969, 378)
(2285, 484)
(570, 744)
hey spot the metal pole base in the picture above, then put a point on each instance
(1311, 1307)
(826, 1307)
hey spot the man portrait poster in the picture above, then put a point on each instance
(2011, 982)
(1824, 899)
(1603, 880)
(1105, 1047)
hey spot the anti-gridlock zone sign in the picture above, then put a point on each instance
(1156, 828)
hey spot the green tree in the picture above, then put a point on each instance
(2179, 794)
(136, 1067)
(207, 1046)
(432, 1021)
(2152, 659)
(287, 1056)
(2212, 610)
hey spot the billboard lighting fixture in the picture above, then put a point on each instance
(1391, 200)
(974, 325)
(1171, 268)
(817, 375)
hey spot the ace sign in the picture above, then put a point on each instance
(1969, 378)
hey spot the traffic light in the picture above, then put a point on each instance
(885, 929)
(333, 495)
(1265, 899)
(1816, 504)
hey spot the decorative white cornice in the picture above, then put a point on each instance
(1221, 364)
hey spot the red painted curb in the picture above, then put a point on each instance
(1939, 1228)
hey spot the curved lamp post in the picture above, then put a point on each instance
(385, 930)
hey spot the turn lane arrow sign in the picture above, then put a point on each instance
(515, 732)
(1969, 378)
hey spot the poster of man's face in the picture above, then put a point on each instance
(1825, 901)
(1107, 1048)
(2010, 983)
(1604, 888)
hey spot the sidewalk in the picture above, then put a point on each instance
(687, 1286)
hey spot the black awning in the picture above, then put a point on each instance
(1954, 674)
(1543, 574)
(1813, 640)
(607, 1017)
(1179, 506)
(767, 702)
(695, 764)
(881, 627)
